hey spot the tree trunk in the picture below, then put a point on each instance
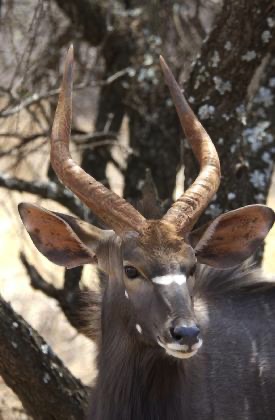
(220, 89)
(29, 367)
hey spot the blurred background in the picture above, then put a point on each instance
(124, 122)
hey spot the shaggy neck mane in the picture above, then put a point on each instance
(241, 279)
(135, 381)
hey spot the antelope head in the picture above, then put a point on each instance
(150, 263)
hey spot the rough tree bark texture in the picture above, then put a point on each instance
(154, 132)
(29, 367)
(220, 86)
(49, 190)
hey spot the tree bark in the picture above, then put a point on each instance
(38, 377)
(81, 307)
(117, 50)
(50, 190)
(220, 89)
(87, 17)
(153, 132)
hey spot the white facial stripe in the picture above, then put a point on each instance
(126, 294)
(179, 279)
(139, 329)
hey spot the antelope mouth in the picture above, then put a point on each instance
(180, 351)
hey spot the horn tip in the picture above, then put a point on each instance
(70, 52)
(68, 71)
(168, 75)
(164, 66)
(176, 92)
(70, 56)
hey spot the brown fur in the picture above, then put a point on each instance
(208, 283)
(138, 381)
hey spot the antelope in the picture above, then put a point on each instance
(187, 328)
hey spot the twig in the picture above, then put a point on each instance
(90, 137)
(70, 298)
(35, 98)
(24, 141)
(49, 190)
(80, 139)
(37, 281)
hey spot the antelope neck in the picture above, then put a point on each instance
(140, 384)
(136, 381)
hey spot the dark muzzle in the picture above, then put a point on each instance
(185, 335)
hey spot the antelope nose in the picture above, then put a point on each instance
(185, 335)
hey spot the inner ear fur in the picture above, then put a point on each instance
(232, 237)
(63, 239)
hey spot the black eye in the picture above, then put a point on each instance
(131, 272)
(192, 270)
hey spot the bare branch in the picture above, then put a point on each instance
(48, 190)
(24, 141)
(36, 98)
(37, 281)
(70, 298)
(219, 86)
(103, 138)
(29, 367)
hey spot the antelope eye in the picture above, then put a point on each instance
(192, 270)
(131, 272)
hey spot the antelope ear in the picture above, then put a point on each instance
(233, 237)
(63, 239)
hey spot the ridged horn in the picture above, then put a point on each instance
(108, 206)
(186, 210)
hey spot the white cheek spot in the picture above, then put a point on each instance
(126, 294)
(179, 279)
(197, 345)
(139, 329)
